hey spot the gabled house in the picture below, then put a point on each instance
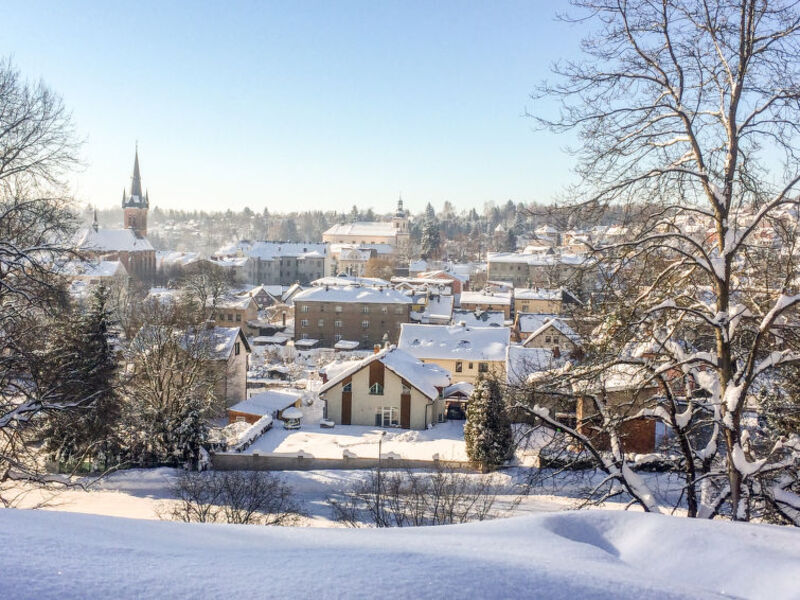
(390, 388)
(466, 352)
(236, 311)
(555, 335)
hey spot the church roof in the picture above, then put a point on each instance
(111, 240)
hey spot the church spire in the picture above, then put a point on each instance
(136, 184)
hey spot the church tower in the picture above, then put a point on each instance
(135, 205)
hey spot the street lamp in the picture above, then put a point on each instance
(378, 482)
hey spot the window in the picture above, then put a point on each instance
(348, 387)
(337, 337)
(483, 367)
(384, 309)
(303, 322)
(387, 416)
(547, 339)
(303, 336)
(365, 324)
(337, 323)
(338, 308)
(398, 310)
(230, 316)
(405, 389)
(365, 309)
(376, 389)
(459, 366)
(238, 318)
(321, 323)
(471, 366)
(237, 348)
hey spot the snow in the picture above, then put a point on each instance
(521, 362)
(111, 240)
(445, 439)
(484, 298)
(454, 342)
(597, 554)
(273, 250)
(353, 294)
(266, 403)
(426, 378)
(479, 318)
(365, 228)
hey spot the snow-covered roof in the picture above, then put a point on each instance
(365, 228)
(425, 377)
(235, 302)
(479, 318)
(521, 362)
(111, 240)
(439, 308)
(537, 293)
(273, 250)
(266, 403)
(173, 258)
(343, 279)
(89, 269)
(530, 322)
(365, 295)
(559, 325)
(459, 388)
(485, 298)
(219, 341)
(346, 345)
(536, 259)
(454, 342)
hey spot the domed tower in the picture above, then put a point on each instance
(136, 205)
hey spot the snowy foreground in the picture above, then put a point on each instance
(595, 554)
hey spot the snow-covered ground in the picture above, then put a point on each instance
(592, 554)
(445, 440)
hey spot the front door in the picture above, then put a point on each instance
(405, 411)
(347, 406)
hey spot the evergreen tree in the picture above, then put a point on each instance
(510, 241)
(83, 361)
(431, 234)
(487, 432)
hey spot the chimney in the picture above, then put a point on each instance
(376, 348)
(283, 318)
(324, 374)
(556, 352)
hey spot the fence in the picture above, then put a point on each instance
(226, 461)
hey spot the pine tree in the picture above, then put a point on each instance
(84, 363)
(487, 432)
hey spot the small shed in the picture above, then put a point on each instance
(270, 402)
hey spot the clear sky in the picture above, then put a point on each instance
(301, 105)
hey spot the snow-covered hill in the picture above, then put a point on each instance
(596, 554)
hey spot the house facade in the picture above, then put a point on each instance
(388, 389)
(367, 315)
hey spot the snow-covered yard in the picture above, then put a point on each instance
(593, 554)
(445, 440)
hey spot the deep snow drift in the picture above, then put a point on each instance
(595, 554)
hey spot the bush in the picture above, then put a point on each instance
(407, 498)
(241, 497)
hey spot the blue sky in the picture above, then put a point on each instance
(301, 105)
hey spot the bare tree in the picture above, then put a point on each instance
(37, 148)
(688, 115)
(409, 498)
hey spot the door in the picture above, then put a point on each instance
(347, 407)
(405, 408)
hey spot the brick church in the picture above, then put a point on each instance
(129, 245)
